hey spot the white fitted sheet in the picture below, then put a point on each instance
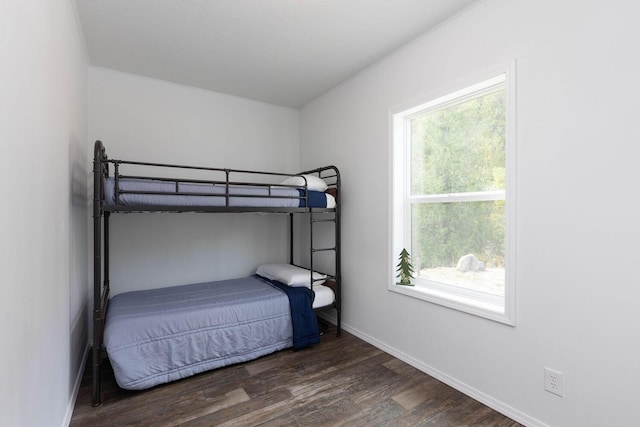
(324, 296)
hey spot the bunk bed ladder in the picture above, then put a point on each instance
(334, 218)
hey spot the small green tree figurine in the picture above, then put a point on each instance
(405, 269)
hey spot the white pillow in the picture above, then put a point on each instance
(289, 274)
(314, 183)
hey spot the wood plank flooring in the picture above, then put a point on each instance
(340, 382)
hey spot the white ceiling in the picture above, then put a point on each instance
(285, 52)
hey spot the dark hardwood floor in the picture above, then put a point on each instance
(340, 382)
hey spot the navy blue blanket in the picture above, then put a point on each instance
(303, 318)
(316, 199)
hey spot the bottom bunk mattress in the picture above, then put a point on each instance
(161, 335)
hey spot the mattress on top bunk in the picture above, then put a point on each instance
(161, 335)
(191, 195)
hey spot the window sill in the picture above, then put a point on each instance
(488, 309)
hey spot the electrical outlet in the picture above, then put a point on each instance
(553, 382)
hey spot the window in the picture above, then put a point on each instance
(452, 197)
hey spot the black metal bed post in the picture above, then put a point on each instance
(311, 250)
(97, 265)
(106, 285)
(291, 238)
(106, 250)
(116, 183)
(338, 254)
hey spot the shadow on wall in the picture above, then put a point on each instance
(79, 211)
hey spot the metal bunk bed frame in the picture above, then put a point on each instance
(102, 211)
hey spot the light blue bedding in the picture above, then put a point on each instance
(190, 195)
(161, 335)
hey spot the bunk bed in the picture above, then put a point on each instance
(161, 335)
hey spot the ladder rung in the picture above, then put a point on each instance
(323, 249)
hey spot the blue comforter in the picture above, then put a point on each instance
(148, 192)
(161, 335)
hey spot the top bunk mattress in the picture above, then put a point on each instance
(149, 192)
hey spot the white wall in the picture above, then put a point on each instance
(577, 132)
(144, 119)
(43, 221)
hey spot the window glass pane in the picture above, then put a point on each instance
(461, 244)
(459, 148)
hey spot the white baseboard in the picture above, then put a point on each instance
(476, 394)
(76, 387)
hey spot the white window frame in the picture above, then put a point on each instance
(465, 300)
